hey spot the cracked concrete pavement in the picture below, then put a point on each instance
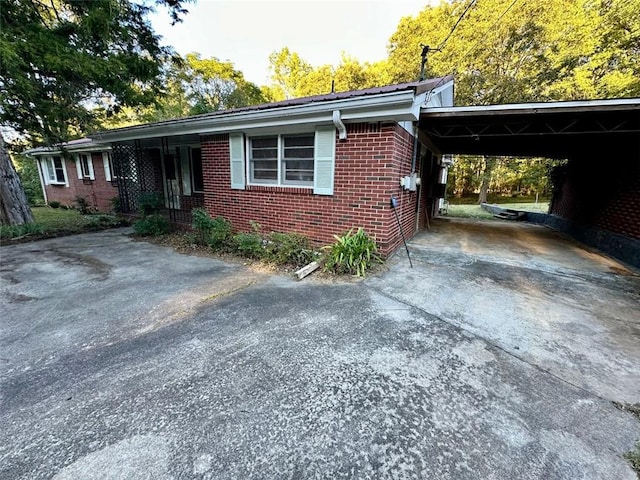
(497, 356)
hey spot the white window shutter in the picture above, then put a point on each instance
(46, 170)
(186, 170)
(107, 168)
(78, 167)
(324, 161)
(236, 152)
(90, 163)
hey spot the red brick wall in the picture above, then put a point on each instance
(189, 202)
(98, 192)
(368, 168)
(604, 197)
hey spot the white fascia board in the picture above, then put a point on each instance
(441, 96)
(445, 86)
(391, 106)
(47, 151)
(515, 108)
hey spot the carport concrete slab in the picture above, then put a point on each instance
(285, 379)
(533, 292)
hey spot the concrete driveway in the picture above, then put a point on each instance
(122, 359)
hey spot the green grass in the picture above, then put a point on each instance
(541, 207)
(59, 218)
(475, 211)
(633, 457)
(469, 211)
(497, 199)
(52, 222)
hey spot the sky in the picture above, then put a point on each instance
(246, 32)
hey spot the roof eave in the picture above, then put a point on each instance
(389, 106)
(533, 108)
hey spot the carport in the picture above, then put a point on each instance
(596, 195)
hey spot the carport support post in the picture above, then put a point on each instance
(394, 204)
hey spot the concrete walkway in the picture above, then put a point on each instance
(122, 359)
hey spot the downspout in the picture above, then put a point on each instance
(414, 162)
(337, 121)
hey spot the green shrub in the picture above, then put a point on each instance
(82, 205)
(352, 253)
(220, 233)
(54, 204)
(248, 245)
(215, 232)
(151, 225)
(116, 205)
(633, 457)
(15, 231)
(289, 249)
(150, 203)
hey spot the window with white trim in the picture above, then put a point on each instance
(306, 160)
(54, 171)
(282, 160)
(109, 170)
(84, 164)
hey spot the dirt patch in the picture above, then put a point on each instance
(182, 242)
(633, 408)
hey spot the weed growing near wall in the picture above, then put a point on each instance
(351, 253)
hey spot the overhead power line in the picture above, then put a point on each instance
(482, 37)
(426, 48)
(444, 42)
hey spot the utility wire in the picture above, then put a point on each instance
(483, 36)
(426, 49)
(444, 42)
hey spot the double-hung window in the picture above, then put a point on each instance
(54, 171)
(298, 160)
(84, 164)
(282, 160)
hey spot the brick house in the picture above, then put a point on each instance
(79, 168)
(316, 165)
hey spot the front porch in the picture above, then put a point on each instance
(169, 168)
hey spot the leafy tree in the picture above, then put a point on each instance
(294, 77)
(211, 85)
(287, 70)
(61, 57)
(193, 85)
(505, 51)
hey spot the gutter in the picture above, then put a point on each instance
(39, 153)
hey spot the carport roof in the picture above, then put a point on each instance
(553, 129)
